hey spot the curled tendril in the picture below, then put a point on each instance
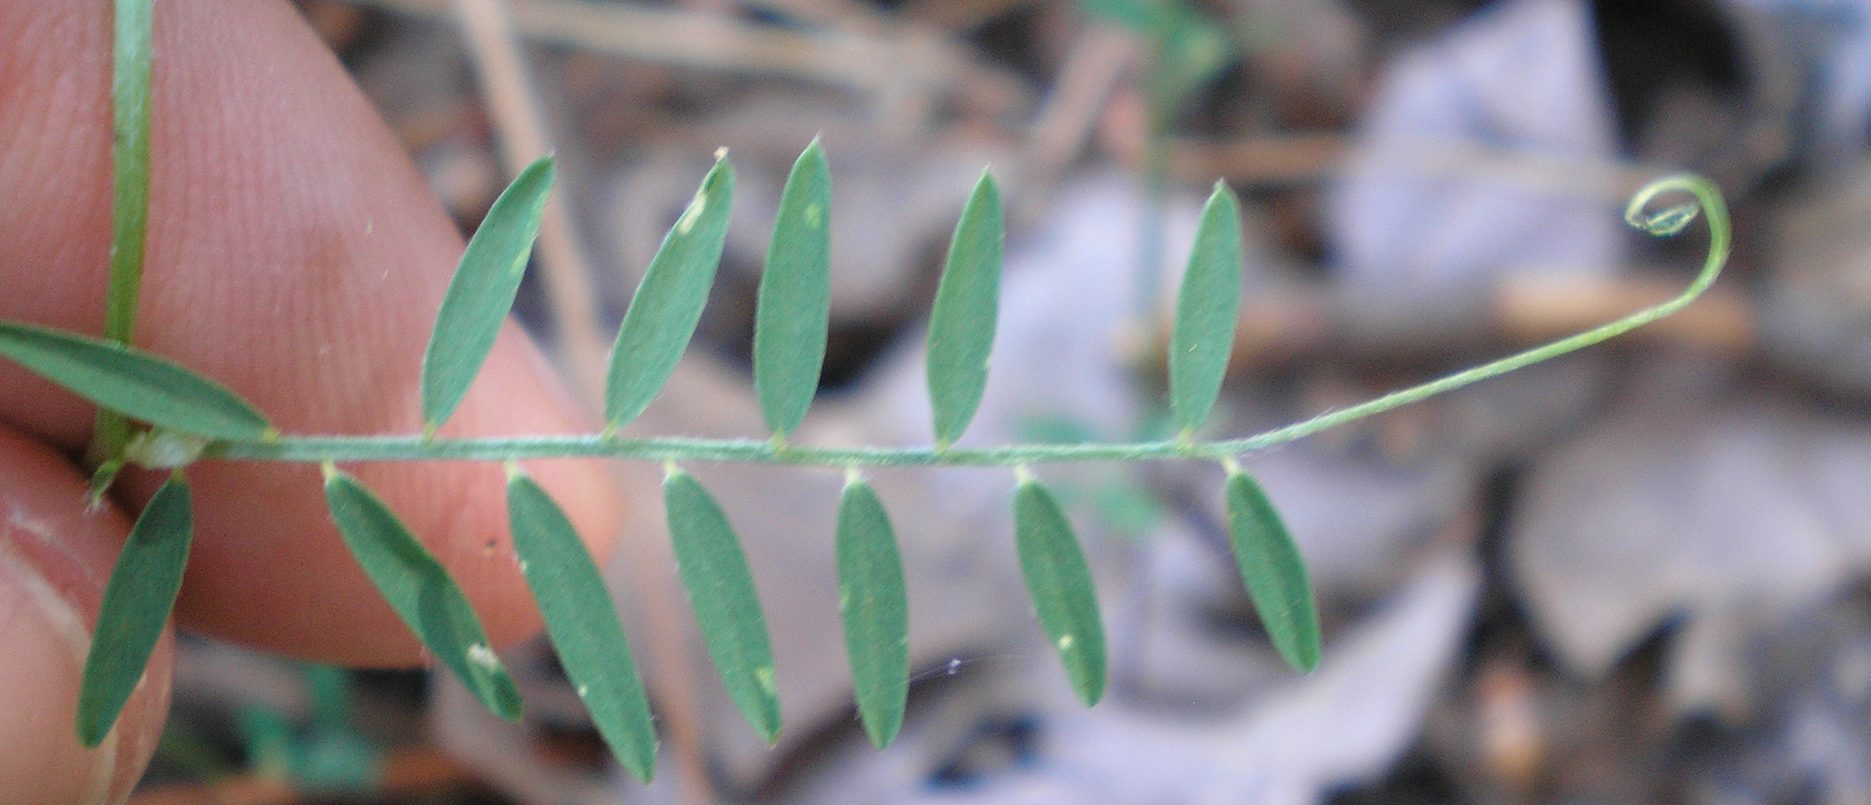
(1669, 221)
(1707, 204)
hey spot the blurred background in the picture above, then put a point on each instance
(1636, 574)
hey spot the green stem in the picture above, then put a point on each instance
(130, 123)
(410, 448)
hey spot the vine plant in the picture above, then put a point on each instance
(159, 415)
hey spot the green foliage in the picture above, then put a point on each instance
(1059, 581)
(1190, 51)
(668, 303)
(137, 601)
(875, 609)
(584, 628)
(721, 590)
(481, 293)
(420, 590)
(794, 308)
(1186, 48)
(196, 418)
(967, 303)
(1273, 571)
(1206, 311)
(324, 759)
(133, 383)
(1136, 15)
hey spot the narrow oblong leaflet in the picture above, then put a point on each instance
(481, 293)
(967, 306)
(137, 601)
(419, 589)
(1274, 573)
(721, 591)
(794, 307)
(875, 608)
(1059, 582)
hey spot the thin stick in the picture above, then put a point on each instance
(877, 65)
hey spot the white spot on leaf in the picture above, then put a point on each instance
(690, 215)
(483, 657)
(764, 675)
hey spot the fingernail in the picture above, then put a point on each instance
(44, 640)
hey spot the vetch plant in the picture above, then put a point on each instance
(172, 418)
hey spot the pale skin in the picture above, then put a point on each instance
(295, 255)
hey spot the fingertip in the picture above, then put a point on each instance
(295, 255)
(55, 557)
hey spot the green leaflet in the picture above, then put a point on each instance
(967, 303)
(721, 590)
(1206, 311)
(133, 383)
(481, 293)
(137, 601)
(876, 610)
(1060, 583)
(1274, 573)
(668, 303)
(419, 589)
(795, 296)
(582, 623)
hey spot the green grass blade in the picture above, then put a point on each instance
(795, 296)
(481, 293)
(131, 55)
(419, 589)
(1206, 311)
(1274, 573)
(721, 590)
(582, 623)
(967, 304)
(134, 383)
(137, 601)
(1060, 583)
(875, 609)
(668, 303)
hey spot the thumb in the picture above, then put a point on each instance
(54, 560)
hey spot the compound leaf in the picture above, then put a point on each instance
(134, 383)
(967, 303)
(582, 623)
(795, 296)
(1060, 583)
(668, 303)
(1274, 573)
(481, 292)
(137, 601)
(721, 591)
(419, 589)
(1206, 310)
(875, 607)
